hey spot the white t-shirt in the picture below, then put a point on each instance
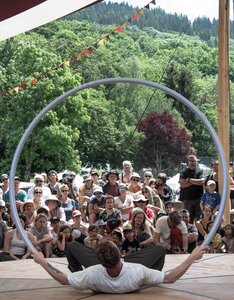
(131, 278)
(127, 202)
(164, 230)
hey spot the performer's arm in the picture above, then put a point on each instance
(179, 271)
(55, 273)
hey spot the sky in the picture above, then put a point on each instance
(191, 8)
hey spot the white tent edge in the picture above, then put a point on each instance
(41, 14)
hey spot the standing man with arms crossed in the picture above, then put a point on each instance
(191, 184)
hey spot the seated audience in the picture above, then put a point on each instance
(14, 246)
(63, 239)
(134, 189)
(93, 237)
(3, 225)
(192, 230)
(207, 216)
(53, 184)
(55, 208)
(171, 233)
(164, 191)
(111, 187)
(228, 238)
(96, 205)
(39, 182)
(141, 229)
(68, 204)
(28, 208)
(79, 230)
(130, 243)
(110, 212)
(43, 235)
(124, 202)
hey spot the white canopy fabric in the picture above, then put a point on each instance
(18, 16)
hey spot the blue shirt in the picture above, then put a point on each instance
(211, 199)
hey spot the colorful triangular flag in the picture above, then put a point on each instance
(34, 81)
(101, 42)
(135, 16)
(84, 52)
(142, 11)
(66, 63)
(119, 29)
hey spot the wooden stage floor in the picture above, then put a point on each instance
(210, 278)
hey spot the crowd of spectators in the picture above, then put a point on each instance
(131, 211)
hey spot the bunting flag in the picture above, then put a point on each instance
(135, 16)
(66, 63)
(119, 29)
(84, 53)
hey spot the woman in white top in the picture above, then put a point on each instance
(14, 246)
(124, 202)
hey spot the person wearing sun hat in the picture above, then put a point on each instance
(96, 205)
(29, 209)
(85, 193)
(111, 187)
(55, 208)
(141, 202)
(134, 189)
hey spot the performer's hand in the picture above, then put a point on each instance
(38, 257)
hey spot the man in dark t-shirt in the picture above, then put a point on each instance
(191, 184)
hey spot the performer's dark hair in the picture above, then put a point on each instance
(108, 254)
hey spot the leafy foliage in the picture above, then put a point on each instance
(165, 143)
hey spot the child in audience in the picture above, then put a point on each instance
(93, 237)
(64, 238)
(117, 237)
(228, 239)
(130, 243)
(211, 197)
(216, 245)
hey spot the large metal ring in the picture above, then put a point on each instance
(92, 84)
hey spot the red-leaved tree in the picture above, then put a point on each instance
(166, 144)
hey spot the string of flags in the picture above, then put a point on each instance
(84, 53)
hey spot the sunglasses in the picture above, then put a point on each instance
(145, 191)
(64, 191)
(135, 179)
(148, 176)
(39, 181)
(37, 192)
